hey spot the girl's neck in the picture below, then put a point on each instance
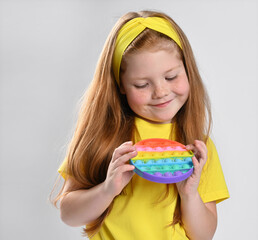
(150, 121)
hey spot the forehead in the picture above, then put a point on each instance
(145, 63)
(150, 45)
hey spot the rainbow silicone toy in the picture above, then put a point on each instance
(163, 161)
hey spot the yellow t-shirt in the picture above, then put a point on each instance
(137, 214)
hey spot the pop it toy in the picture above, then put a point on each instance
(163, 161)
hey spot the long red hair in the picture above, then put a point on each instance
(105, 120)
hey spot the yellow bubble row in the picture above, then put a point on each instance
(157, 155)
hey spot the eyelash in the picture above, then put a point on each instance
(170, 78)
(145, 85)
(142, 86)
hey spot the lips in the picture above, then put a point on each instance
(161, 105)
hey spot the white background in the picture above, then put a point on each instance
(48, 53)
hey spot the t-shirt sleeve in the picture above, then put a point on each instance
(63, 169)
(212, 186)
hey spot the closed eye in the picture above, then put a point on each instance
(170, 78)
(141, 86)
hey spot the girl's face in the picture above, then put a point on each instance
(155, 84)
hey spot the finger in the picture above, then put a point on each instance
(126, 168)
(199, 149)
(124, 158)
(122, 149)
(201, 146)
(127, 143)
(196, 162)
(191, 147)
(197, 166)
(201, 152)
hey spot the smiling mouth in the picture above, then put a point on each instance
(161, 105)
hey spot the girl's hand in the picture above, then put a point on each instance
(120, 171)
(189, 186)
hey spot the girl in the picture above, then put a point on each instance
(146, 85)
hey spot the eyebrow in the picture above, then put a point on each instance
(144, 78)
(171, 69)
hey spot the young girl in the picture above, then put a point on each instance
(146, 85)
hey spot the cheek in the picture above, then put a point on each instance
(137, 98)
(183, 87)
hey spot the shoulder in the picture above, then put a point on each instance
(212, 150)
(210, 144)
(212, 185)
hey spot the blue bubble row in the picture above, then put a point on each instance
(165, 168)
(163, 161)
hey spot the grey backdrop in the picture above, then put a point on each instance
(48, 52)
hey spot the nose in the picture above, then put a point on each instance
(160, 91)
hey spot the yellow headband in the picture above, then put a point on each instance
(132, 29)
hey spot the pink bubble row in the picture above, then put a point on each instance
(159, 149)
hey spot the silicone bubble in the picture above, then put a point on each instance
(162, 161)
